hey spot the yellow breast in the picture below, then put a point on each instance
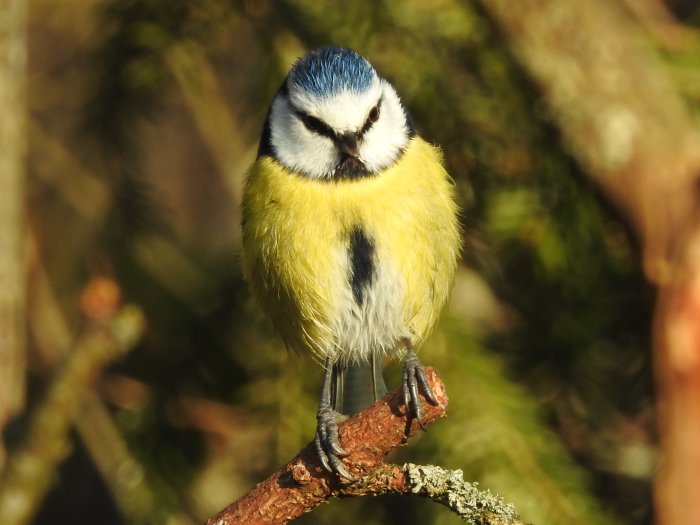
(297, 237)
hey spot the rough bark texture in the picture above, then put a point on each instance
(622, 119)
(303, 484)
(13, 15)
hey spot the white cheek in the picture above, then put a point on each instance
(298, 148)
(387, 137)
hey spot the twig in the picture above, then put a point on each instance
(446, 487)
(303, 484)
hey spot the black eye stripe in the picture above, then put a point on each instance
(311, 122)
(316, 125)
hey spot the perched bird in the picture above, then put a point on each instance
(350, 233)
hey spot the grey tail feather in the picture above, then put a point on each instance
(357, 385)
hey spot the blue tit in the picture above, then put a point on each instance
(350, 233)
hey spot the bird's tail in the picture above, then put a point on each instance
(357, 385)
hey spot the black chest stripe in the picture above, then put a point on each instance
(361, 253)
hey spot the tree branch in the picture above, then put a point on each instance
(303, 484)
(446, 487)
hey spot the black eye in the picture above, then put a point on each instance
(312, 123)
(373, 114)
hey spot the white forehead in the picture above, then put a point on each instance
(345, 110)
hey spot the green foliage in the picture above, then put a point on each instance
(495, 433)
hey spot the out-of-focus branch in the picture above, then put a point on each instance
(122, 473)
(205, 99)
(622, 118)
(13, 57)
(90, 197)
(29, 470)
(618, 112)
(303, 484)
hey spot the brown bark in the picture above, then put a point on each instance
(302, 484)
(621, 117)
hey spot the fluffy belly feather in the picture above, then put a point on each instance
(369, 314)
(349, 269)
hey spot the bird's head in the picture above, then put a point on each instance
(335, 117)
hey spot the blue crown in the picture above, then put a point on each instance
(328, 70)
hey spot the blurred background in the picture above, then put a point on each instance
(156, 390)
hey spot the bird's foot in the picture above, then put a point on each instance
(414, 378)
(327, 444)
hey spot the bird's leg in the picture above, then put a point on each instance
(327, 444)
(413, 379)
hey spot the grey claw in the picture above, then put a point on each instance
(414, 378)
(322, 454)
(406, 391)
(340, 469)
(425, 385)
(327, 444)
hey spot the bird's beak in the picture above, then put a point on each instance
(348, 144)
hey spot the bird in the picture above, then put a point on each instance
(350, 234)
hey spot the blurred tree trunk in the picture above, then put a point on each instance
(13, 53)
(623, 120)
